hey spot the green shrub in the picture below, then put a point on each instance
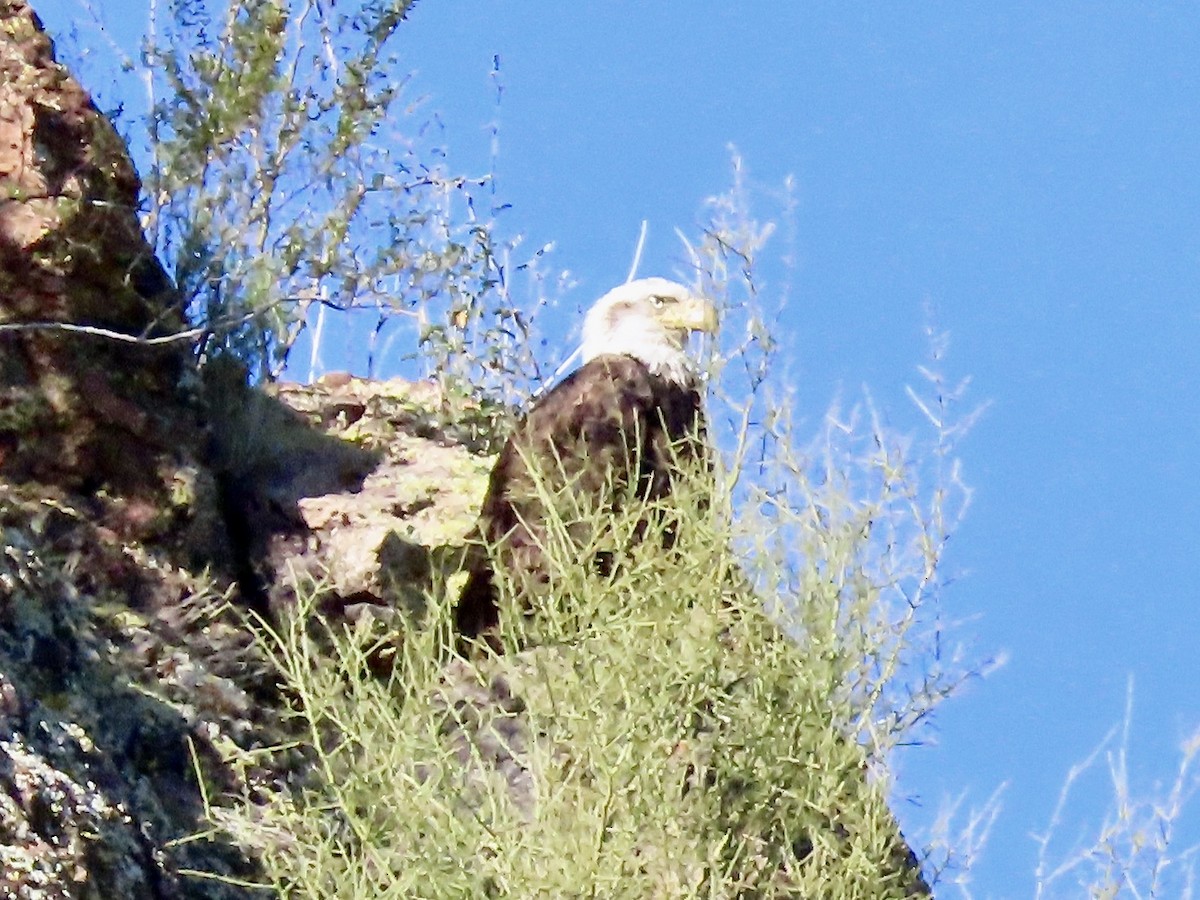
(649, 733)
(293, 174)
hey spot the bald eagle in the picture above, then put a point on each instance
(619, 426)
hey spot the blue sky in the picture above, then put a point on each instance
(1032, 171)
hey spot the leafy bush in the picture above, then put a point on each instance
(711, 720)
(653, 732)
(290, 173)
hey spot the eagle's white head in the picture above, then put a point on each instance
(648, 319)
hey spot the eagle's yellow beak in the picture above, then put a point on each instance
(692, 314)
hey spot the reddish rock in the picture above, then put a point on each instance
(76, 409)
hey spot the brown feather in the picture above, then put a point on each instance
(609, 426)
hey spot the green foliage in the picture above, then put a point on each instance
(713, 720)
(855, 517)
(649, 733)
(292, 173)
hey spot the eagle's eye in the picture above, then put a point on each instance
(660, 300)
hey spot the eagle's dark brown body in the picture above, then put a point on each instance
(610, 427)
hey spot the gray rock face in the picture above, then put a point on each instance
(125, 669)
(105, 694)
(126, 663)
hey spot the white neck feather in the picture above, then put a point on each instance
(661, 352)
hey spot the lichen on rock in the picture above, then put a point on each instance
(98, 726)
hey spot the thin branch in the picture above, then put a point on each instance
(637, 252)
(126, 338)
(123, 337)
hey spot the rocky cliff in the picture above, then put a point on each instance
(145, 513)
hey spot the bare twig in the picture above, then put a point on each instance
(108, 334)
(637, 251)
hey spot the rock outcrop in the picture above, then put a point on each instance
(144, 516)
(76, 409)
(124, 674)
